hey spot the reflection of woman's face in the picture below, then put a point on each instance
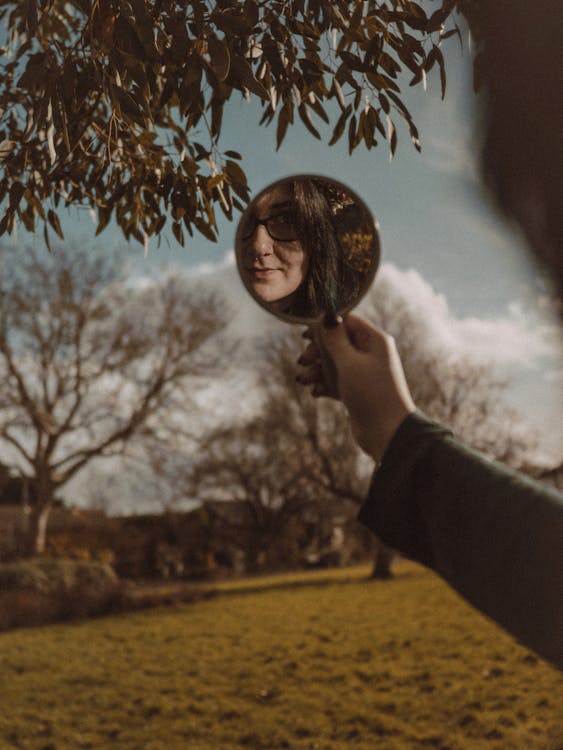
(273, 267)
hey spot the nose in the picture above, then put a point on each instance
(260, 243)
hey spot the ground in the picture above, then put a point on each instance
(322, 661)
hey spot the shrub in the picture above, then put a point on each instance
(35, 592)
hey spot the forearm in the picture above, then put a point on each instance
(494, 535)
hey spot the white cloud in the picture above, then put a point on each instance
(517, 337)
(523, 343)
(204, 269)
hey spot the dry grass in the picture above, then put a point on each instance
(311, 662)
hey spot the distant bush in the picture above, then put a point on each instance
(39, 591)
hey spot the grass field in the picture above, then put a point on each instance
(313, 662)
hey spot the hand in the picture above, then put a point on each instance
(370, 379)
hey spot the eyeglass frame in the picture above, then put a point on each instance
(264, 223)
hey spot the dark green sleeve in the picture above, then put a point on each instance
(493, 534)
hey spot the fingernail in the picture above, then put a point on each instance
(332, 320)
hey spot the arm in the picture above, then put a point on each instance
(492, 534)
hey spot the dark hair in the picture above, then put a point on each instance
(331, 282)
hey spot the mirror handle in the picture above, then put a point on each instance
(330, 380)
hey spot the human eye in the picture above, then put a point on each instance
(283, 219)
(248, 225)
(282, 226)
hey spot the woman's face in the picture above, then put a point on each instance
(273, 267)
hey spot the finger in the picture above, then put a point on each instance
(334, 340)
(363, 335)
(310, 376)
(320, 391)
(310, 356)
(331, 320)
(355, 333)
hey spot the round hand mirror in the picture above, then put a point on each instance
(307, 248)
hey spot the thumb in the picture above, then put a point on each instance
(352, 334)
(335, 340)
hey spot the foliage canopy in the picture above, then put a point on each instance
(118, 104)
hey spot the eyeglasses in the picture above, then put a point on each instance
(281, 227)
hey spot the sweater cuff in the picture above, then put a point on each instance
(390, 509)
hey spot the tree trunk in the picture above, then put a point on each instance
(384, 558)
(41, 506)
(37, 532)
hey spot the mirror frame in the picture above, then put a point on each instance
(369, 277)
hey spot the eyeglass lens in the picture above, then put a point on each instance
(280, 227)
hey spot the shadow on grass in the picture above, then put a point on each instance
(32, 608)
(311, 580)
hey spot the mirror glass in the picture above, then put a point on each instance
(307, 247)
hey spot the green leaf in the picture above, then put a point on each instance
(339, 94)
(235, 172)
(283, 122)
(241, 191)
(6, 148)
(28, 219)
(367, 131)
(376, 79)
(45, 236)
(340, 125)
(351, 133)
(104, 214)
(241, 73)
(231, 22)
(306, 119)
(216, 117)
(55, 223)
(215, 180)
(392, 138)
(220, 57)
(178, 233)
(16, 192)
(205, 229)
(7, 222)
(442, 66)
(251, 12)
(352, 61)
(318, 109)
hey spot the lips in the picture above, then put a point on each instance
(261, 273)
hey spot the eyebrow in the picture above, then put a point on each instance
(277, 207)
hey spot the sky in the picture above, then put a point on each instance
(443, 243)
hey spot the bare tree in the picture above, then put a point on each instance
(296, 458)
(458, 391)
(87, 364)
(339, 473)
(286, 473)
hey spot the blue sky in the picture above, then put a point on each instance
(436, 223)
(433, 212)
